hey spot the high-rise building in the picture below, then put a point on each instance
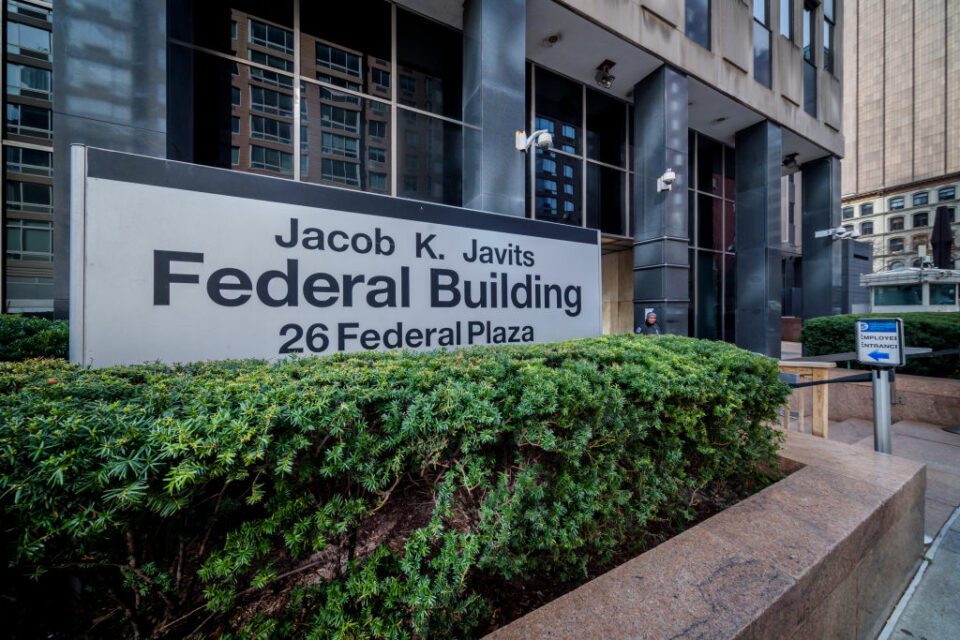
(26, 271)
(902, 125)
(420, 100)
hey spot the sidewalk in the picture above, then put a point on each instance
(931, 611)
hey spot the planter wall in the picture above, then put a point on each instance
(826, 552)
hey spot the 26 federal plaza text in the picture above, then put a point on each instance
(294, 284)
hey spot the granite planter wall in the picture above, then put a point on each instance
(826, 552)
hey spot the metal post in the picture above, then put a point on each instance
(881, 410)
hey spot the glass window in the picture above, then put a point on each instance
(31, 82)
(377, 155)
(605, 199)
(947, 193)
(262, 128)
(271, 160)
(709, 222)
(29, 10)
(828, 35)
(271, 37)
(340, 171)
(606, 128)
(896, 264)
(29, 161)
(866, 228)
(847, 213)
(810, 88)
(808, 30)
(918, 241)
(921, 219)
(760, 10)
(921, 198)
(29, 196)
(29, 41)
(26, 120)
(340, 145)
(709, 295)
(234, 156)
(896, 203)
(709, 165)
(896, 224)
(558, 188)
(697, 21)
(943, 294)
(270, 101)
(866, 209)
(235, 96)
(761, 54)
(431, 57)
(896, 245)
(271, 77)
(786, 19)
(899, 295)
(234, 125)
(29, 240)
(436, 152)
(336, 59)
(559, 106)
(378, 182)
(353, 42)
(26, 288)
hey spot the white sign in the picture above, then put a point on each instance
(880, 342)
(177, 262)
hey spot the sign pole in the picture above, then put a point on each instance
(881, 410)
(880, 346)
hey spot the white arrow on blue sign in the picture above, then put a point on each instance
(880, 342)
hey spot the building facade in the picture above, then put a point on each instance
(420, 99)
(902, 124)
(26, 270)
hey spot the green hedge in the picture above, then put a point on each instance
(22, 338)
(367, 495)
(836, 334)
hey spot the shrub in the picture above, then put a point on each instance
(22, 338)
(837, 334)
(364, 495)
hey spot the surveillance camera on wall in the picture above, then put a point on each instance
(665, 182)
(542, 138)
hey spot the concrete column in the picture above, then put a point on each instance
(822, 257)
(758, 222)
(494, 87)
(125, 112)
(661, 238)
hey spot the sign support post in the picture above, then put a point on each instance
(880, 346)
(881, 410)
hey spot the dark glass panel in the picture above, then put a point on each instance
(605, 205)
(729, 298)
(709, 221)
(709, 165)
(606, 121)
(697, 19)
(729, 226)
(558, 188)
(761, 54)
(729, 173)
(810, 89)
(347, 44)
(429, 158)
(430, 62)
(559, 109)
(708, 295)
(210, 24)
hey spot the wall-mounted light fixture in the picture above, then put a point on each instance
(604, 77)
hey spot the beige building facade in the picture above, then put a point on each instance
(901, 123)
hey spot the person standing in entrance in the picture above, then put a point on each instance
(649, 326)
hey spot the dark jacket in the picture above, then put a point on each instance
(647, 328)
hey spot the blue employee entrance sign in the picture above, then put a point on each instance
(880, 342)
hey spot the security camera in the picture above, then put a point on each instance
(665, 182)
(542, 138)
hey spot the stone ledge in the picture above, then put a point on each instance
(824, 552)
